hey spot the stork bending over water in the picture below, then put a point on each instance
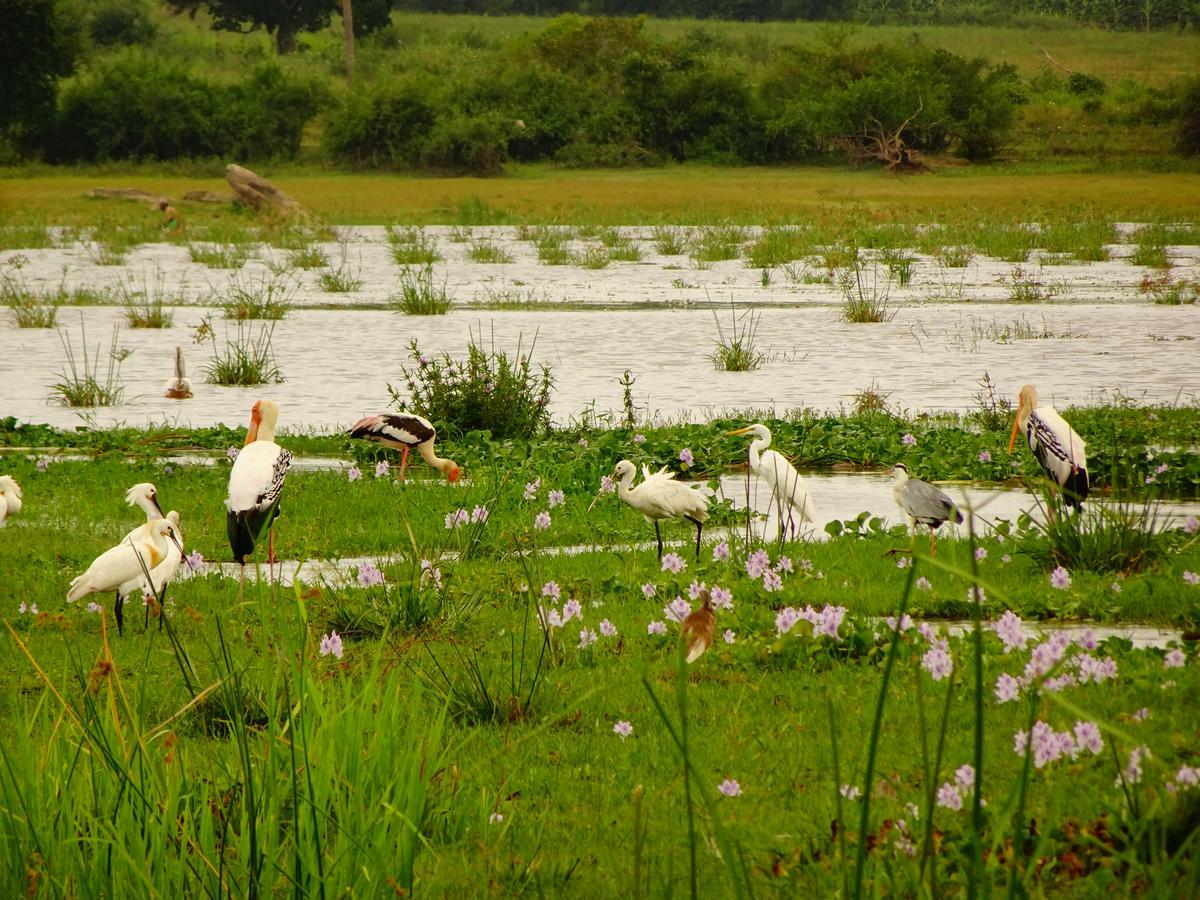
(403, 432)
(1055, 445)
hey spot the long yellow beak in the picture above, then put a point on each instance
(1012, 438)
(739, 431)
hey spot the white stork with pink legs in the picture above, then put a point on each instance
(255, 485)
(402, 432)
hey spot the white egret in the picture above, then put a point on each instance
(403, 432)
(10, 498)
(923, 503)
(255, 484)
(116, 567)
(1055, 445)
(789, 491)
(660, 497)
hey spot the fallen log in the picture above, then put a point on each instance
(207, 197)
(104, 193)
(254, 190)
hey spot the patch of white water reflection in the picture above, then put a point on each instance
(1141, 636)
(339, 363)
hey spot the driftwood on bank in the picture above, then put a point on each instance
(127, 194)
(254, 190)
(207, 197)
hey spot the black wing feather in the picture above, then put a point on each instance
(401, 429)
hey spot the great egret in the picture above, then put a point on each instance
(923, 503)
(1055, 445)
(255, 484)
(788, 490)
(403, 432)
(661, 497)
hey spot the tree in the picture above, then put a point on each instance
(40, 46)
(283, 18)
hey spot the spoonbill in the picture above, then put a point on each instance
(699, 628)
(660, 497)
(255, 484)
(10, 497)
(1055, 445)
(923, 503)
(145, 495)
(789, 490)
(116, 567)
(403, 432)
(178, 387)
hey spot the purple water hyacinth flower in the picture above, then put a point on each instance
(1141, 715)
(757, 563)
(639, 439)
(1087, 640)
(904, 623)
(771, 580)
(368, 575)
(784, 564)
(1190, 525)
(923, 584)
(1188, 776)
(1007, 688)
(695, 588)
(928, 632)
(607, 628)
(949, 797)
(1060, 578)
(730, 788)
(981, 553)
(830, 621)
(985, 456)
(975, 594)
(532, 488)
(785, 620)
(1006, 559)
(1191, 578)
(232, 453)
(937, 661)
(1174, 659)
(607, 485)
(648, 590)
(720, 597)
(964, 778)
(552, 590)
(721, 552)
(542, 520)
(729, 636)
(622, 729)
(479, 514)
(555, 498)
(903, 562)
(382, 468)
(677, 610)
(1008, 629)
(1133, 769)
(331, 644)
(850, 791)
(908, 440)
(95, 607)
(354, 473)
(430, 573)
(673, 562)
(1087, 737)
(685, 456)
(656, 628)
(587, 637)
(43, 464)
(572, 609)
(194, 560)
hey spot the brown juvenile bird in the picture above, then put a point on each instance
(699, 628)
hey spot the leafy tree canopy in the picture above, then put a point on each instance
(282, 18)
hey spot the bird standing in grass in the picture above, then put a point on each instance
(699, 628)
(10, 498)
(788, 490)
(145, 495)
(255, 484)
(122, 564)
(660, 497)
(1055, 445)
(922, 503)
(402, 432)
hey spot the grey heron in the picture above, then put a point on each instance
(789, 490)
(1055, 445)
(923, 503)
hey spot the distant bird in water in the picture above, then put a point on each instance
(699, 628)
(178, 388)
(122, 564)
(402, 432)
(1055, 445)
(922, 503)
(255, 484)
(660, 497)
(10, 498)
(788, 490)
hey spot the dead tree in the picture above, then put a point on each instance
(886, 145)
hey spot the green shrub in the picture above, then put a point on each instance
(488, 391)
(475, 145)
(121, 22)
(386, 128)
(1188, 133)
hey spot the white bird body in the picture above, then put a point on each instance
(1058, 449)
(661, 497)
(10, 497)
(255, 483)
(178, 387)
(788, 489)
(119, 565)
(163, 572)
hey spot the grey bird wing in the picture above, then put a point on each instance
(927, 504)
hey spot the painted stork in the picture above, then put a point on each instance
(118, 566)
(178, 387)
(402, 432)
(789, 490)
(10, 498)
(923, 503)
(699, 628)
(660, 497)
(1055, 445)
(255, 484)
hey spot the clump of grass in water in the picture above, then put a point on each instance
(245, 360)
(624, 250)
(779, 245)
(144, 307)
(1170, 291)
(264, 298)
(669, 241)
(595, 257)
(220, 256)
(835, 258)
(513, 298)
(419, 295)
(81, 382)
(714, 243)
(339, 281)
(736, 352)
(1024, 287)
(864, 297)
(552, 249)
(899, 265)
(487, 252)
(1084, 241)
(308, 258)
(106, 254)
(27, 308)
(411, 246)
(955, 257)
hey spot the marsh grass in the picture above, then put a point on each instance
(1006, 241)
(412, 246)
(595, 256)
(257, 297)
(105, 254)
(899, 264)
(1152, 255)
(1170, 291)
(1025, 287)
(244, 359)
(669, 240)
(835, 258)
(624, 250)
(487, 252)
(339, 281)
(220, 256)
(308, 258)
(714, 243)
(145, 305)
(419, 295)
(515, 297)
(955, 257)
(779, 245)
(865, 294)
(736, 351)
(1085, 241)
(27, 308)
(552, 250)
(84, 381)
(25, 237)
(223, 232)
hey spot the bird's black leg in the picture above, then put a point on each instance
(699, 531)
(117, 610)
(146, 601)
(658, 534)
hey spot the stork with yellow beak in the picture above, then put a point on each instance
(1055, 445)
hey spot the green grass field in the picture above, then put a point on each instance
(452, 749)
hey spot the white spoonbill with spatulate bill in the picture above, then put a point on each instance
(660, 497)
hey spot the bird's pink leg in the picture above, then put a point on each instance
(403, 460)
(271, 554)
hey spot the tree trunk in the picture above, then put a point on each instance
(285, 38)
(348, 37)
